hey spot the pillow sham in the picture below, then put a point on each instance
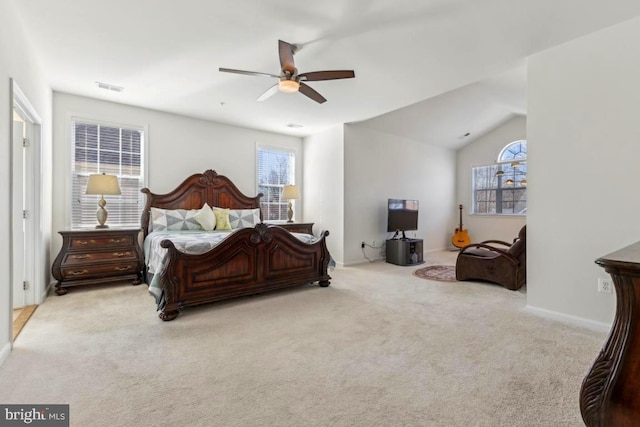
(222, 218)
(244, 218)
(174, 219)
(206, 218)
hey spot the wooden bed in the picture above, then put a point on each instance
(249, 261)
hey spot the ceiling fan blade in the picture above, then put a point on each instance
(315, 76)
(286, 51)
(248, 73)
(311, 93)
(269, 93)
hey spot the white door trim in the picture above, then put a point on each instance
(37, 290)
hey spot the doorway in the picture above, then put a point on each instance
(25, 207)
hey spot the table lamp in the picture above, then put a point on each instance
(102, 184)
(290, 192)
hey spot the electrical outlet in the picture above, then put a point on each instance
(362, 244)
(374, 243)
(605, 285)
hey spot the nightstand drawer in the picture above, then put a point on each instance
(89, 242)
(92, 257)
(82, 271)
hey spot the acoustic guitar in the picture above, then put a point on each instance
(461, 237)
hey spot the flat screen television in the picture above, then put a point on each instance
(402, 215)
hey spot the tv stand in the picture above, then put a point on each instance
(404, 251)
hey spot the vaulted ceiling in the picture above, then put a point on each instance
(456, 65)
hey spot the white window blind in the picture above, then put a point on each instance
(98, 148)
(276, 168)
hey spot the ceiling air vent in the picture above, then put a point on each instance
(107, 86)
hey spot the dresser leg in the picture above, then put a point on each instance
(60, 290)
(137, 280)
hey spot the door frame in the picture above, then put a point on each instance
(34, 238)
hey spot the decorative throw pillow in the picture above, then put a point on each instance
(174, 219)
(244, 218)
(206, 218)
(222, 218)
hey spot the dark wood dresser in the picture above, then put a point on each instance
(297, 227)
(610, 394)
(95, 256)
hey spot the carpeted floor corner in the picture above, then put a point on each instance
(379, 347)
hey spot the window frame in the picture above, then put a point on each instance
(144, 155)
(293, 176)
(505, 162)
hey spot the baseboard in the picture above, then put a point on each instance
(4, 353)
(430, 251)
(567, 318)
(359, 262)
(47, 291)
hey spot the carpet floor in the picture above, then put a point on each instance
(379, 347)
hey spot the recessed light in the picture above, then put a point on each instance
(107, 86)
(293, 125)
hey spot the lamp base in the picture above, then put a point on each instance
(102, 214)
(290, 213)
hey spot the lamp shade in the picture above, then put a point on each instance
(103, 184)
(290, 192)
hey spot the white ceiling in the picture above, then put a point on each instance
(464, 57)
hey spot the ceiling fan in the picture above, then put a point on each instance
(292, 81)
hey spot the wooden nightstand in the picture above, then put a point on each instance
(297, 227)
(96, 256)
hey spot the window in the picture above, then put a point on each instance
(99, 148)
(501, 189)
(276, 168)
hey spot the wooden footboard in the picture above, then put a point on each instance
(249, 261)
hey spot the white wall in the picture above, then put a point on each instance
(177, 146)
(380, 166)
(584, 146)
(18, 61)
(323, 191)
(482, 152)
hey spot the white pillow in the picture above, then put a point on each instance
(206, 218)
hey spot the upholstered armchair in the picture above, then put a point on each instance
(495, 261)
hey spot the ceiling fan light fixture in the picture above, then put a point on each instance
(288, 86)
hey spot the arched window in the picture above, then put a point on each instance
(516, 150)
(501, 188)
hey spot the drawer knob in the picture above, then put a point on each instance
(78, 272)
(128, 267)
(121, 254)
(81, 256)
(86, 242)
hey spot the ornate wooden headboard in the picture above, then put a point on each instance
(194, 192)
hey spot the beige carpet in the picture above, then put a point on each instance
(379, 347)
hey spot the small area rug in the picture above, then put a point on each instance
(443, 273)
